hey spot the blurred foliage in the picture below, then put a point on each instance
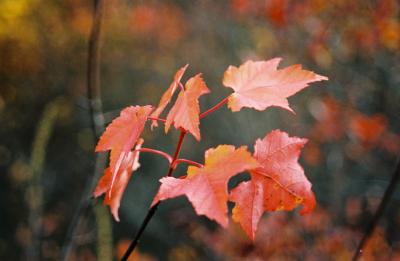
(352, 121)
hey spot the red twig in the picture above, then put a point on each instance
(178, 148)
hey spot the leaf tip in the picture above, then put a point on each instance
(321, 78)
(115, 215)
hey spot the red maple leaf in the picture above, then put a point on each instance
(167, 96)
(260, 85)
(120, 137)
(185, 112)
(115, 185)
(279, 184)
(207, 187)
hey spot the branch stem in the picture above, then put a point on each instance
(153, 209)
(97, 124)
(212, 109)
(135, 241)
(178, 148)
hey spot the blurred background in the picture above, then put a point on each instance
(47, 144)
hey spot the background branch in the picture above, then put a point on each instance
(381, 209)
(97, 123)
(35, 187)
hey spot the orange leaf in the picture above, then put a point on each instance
(279, 184)
(115, 185)
(260, 85)
(185, 112)
(121, 135)
(276, 12)
(166, 98)
(207, 187)
(249, 204)
(368, 129)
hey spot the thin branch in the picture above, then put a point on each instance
(159, 152)
(35, 187)
(97, 122)
(153, 209)
(143, 226)
(104, 233)
(212, 109)
(190, 162)
(381, 209)
(93, 71)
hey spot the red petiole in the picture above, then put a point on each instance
(190, 162)
(156, 119)
(212, 109)
(159, 152)
(202, 115)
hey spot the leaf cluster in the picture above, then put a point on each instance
(277, 180)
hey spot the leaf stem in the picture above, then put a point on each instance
(191, 162)
(159, 152)
(156, 119)
(212, 109)
(153, 209)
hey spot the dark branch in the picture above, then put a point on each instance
(381, 209)
(97, 122)
(153, 209)
(93, 71)
(138, 235)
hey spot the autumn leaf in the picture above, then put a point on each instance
(279, 184)
(207, 187)
(331, 119)
(276, 12)
(121, 135)
(249, 204)
(368, 129)
(260, 85)
(185, 112)
(115, 185)
(167, 96)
